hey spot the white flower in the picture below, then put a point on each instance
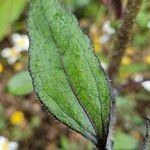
(6, 145)
(21, 42)
(146, 85)
(11, 54)
(138, 78)
(13, 146)
(107, 28)
(104, 38)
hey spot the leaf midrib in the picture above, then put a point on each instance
(94, 137)
(72, 87)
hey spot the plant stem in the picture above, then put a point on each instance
(123, 36)
(147, 135)
(118, 50)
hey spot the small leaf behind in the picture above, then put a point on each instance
(20, 84)
(10, 11)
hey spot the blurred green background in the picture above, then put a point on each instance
(24, 124)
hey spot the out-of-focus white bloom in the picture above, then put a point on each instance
(104, 38)
(108, 31)
(5, 144)
(12, 54)
(138, 78)
(13, 146)
(104, 65)
(146, 85)
(21, 42)
(107, 28)
(148, 24)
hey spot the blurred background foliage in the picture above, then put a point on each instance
(24, 124)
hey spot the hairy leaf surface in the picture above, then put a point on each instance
(66, 74)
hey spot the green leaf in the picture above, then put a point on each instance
(77, 3)
(125, 141)
(10, 11)
(20, 84)
(2, 118)
(67, 75)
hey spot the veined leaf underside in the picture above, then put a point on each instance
(66, 74)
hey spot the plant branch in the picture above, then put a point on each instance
(147, 136)
(118, 50)
(114, 6)
(123, 36)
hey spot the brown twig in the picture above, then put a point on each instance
(118, 51)
(123, 36)
(147, 136)
(114, 6)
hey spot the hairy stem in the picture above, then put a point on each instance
(146, 141)
(118, 50)
(123, 36)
